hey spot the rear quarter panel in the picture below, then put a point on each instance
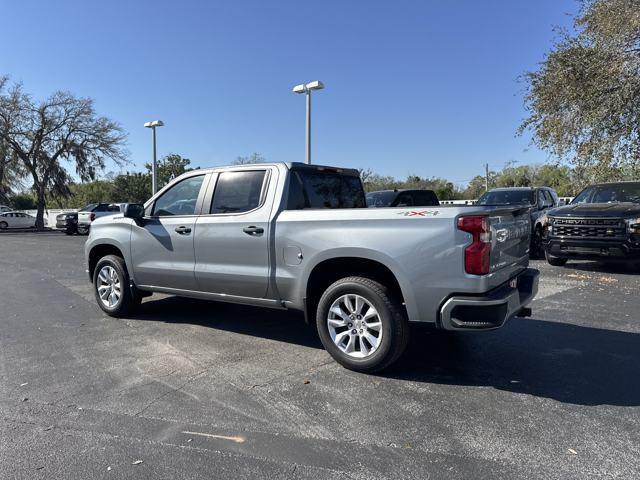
(424, 251)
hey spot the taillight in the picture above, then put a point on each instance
(476, 255)
(92, 217)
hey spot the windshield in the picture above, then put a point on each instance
(89, 207)
(620, 192)
(508, 197)
(380, 199)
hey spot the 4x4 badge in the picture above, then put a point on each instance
(419, 213)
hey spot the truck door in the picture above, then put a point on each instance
(232, 240)
(162, 246)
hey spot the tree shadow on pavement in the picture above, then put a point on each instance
(568, 363)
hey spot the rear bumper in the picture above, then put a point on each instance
(609, 249)
(65, 225)
(493, 309)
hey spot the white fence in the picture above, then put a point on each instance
(50, 215)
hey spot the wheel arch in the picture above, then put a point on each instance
(332, 268)
(96, 252)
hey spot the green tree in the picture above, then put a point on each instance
(132, 187)
(11, 172)
(47, 135)
(584, 102)
(23, 201)
(98, 191)
(170, 167)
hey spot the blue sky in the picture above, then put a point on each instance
(412, 87)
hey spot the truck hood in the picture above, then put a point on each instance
(617, 209)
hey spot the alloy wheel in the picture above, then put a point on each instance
(109, 286)
(354, 325)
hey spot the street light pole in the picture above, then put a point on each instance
(306, 89)
(154, 164)
(308, 128)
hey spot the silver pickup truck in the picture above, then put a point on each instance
(296, 236)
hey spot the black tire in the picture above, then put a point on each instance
(4, 225)
(83, 230)
(394, 328)
(129, 300)
(536, 251)
(556, 261)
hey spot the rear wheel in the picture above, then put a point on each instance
(361, 324)
(112, 289)
(83, 230)
(556, 261)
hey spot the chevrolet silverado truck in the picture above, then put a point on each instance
(601, 223)
(297, 236)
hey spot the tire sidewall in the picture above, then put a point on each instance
(4, 225)
(337, 290)
(536, 243)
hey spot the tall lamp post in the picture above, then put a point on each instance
(154, 178)
(306, 88)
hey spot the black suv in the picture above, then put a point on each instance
(601, 223)
(538, 199)
(402, 198)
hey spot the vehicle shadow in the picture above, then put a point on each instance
(280, 325)
(565, 362)
(622, 268)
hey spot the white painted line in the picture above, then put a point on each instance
(221, 437)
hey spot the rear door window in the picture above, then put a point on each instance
(238, 192)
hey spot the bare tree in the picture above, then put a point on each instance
(49, 136)
(253, 158)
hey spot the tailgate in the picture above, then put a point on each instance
(84, 217)
(510, 240)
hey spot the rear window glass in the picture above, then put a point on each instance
(319, 189)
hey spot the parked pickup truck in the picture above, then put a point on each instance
(88, 214)
(296, 236)
(601, 223)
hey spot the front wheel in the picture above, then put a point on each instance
(112, 288)
(4, 225)
(536, 250)
(362, 324)
(556, 261)
(83, 230)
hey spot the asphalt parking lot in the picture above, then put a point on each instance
(190, 389)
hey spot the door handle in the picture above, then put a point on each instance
(253, 230)
(183, 230)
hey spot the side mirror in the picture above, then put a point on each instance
(134, 210)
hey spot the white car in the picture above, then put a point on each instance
(17, 220)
